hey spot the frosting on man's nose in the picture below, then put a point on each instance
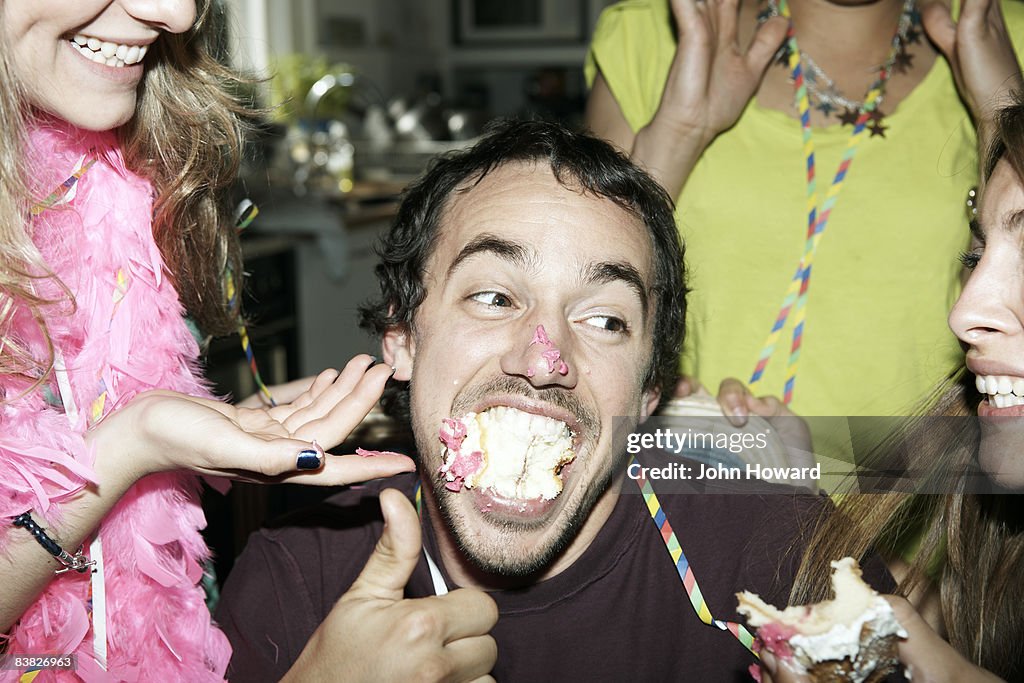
(551, 354)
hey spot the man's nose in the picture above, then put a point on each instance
(542, 354)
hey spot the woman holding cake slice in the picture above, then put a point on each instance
(968, 577)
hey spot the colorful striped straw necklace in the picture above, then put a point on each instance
(244, 216)
(685, 570)
(675, 551)
(795, 300)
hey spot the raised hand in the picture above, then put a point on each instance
(713, 77)
(163, 430)
(374, 634)
(979, 52)
(711, 80)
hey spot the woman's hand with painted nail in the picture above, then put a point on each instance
(163, 430)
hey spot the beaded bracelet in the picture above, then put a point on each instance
(76, 562)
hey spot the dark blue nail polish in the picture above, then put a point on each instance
(309, 459)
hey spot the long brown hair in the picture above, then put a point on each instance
(972, 548)
(186, 137)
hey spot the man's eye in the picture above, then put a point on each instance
(495, 299)
(607, 322)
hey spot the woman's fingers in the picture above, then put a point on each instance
(294, 395)
(319, 385)
(732, 397)
(353, 373)
(775, 670)
(692, 65)
(973, 15)
(237, 454)
(940, 28)
(728, 14)
(765, 44)
(686, 386)
(926, 656)
(331, 426)
(767, 406)
(349, 469)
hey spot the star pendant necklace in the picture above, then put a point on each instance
(864, 120)
(822, 91)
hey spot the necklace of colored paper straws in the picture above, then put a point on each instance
(795, 300)
(244, 216)
(685, 570)
(675, 551)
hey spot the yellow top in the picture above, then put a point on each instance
(886, 272)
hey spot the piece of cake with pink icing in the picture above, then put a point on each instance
(515, 454)
(852, 637)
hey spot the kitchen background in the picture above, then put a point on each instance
(362, 95)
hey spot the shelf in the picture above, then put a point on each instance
(518, 56)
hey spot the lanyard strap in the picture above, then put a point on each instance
(685, 571)
(795, 300)
(436, 577)
(668, 535)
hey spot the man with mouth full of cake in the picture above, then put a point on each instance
(532, 293)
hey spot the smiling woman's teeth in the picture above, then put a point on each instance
(1002, 391)
(111, 54)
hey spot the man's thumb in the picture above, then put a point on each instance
(397, 552)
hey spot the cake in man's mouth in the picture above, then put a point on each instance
(514, 454)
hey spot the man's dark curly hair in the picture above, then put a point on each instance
(580, 162)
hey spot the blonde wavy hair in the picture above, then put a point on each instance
(186, 137)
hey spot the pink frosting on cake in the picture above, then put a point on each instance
(362, 452)
(464, 465)
(774, 637)
(452, 434)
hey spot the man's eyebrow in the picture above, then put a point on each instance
(618, 271)
(487, 243)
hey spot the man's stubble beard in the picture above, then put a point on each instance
(508, 559)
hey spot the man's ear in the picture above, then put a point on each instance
(399, 350)
(648, 402)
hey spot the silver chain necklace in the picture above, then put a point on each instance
(822, 88)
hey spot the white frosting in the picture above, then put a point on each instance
(522, 453)
(843, 639)
(832, 630)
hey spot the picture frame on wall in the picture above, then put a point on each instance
(489, 22)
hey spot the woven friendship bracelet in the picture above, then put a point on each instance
(76, 562)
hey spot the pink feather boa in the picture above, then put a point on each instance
(158, 625)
